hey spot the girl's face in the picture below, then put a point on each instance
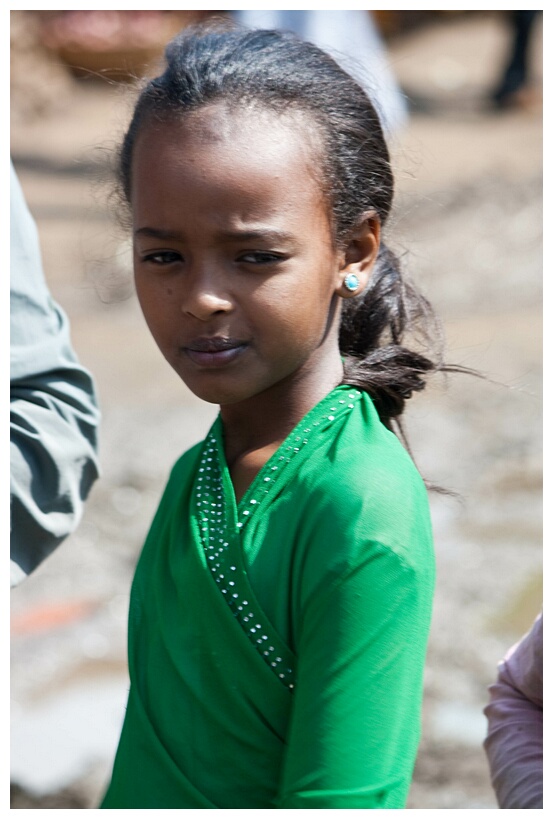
(235, 267)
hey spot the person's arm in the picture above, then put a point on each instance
(53, 410)
(355, 722)
(514, 742)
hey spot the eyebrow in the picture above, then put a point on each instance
(236, 235)
(158, 233)
(260, 233)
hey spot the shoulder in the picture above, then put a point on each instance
(360, 498)
(180, 480)
(171, 510)
(364, 485)
(187, 462)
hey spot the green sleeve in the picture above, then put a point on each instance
(355, 722)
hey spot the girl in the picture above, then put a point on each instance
(280, 608)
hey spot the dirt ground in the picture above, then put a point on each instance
(469, 223)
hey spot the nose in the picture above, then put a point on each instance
(205, 296)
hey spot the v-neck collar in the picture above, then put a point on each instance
(340, 401)
(222, 522)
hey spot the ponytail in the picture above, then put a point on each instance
(372, 333)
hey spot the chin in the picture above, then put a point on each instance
(231, 387)
(218, 393)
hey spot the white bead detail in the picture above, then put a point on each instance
(215, 524)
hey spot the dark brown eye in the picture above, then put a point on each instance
(260, 257)
(162, 257)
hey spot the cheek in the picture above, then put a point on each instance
(154, 300)
(306, 289)
(292, 322)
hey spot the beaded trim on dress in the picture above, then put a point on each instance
(214, 522)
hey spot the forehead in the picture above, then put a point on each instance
(246, 148)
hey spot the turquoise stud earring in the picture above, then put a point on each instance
(351, 282)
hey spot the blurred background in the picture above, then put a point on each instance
(468, 224)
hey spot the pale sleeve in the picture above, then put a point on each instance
(514, 741)
(53, 408)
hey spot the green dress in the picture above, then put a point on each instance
(277, 646)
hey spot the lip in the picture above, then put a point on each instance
(215, 351)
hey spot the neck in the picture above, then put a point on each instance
(264, 421)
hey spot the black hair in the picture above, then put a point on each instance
(277, 70)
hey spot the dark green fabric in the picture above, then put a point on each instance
(338, 558)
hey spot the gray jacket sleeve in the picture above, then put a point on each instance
(53, 410)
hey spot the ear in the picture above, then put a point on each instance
(359, 256)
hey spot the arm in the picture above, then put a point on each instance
(53, 412)
(356, 713)
(514, 743)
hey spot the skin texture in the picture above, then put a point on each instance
(236, 270)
